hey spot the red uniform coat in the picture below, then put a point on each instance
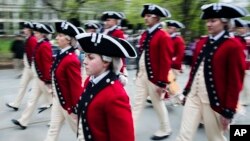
(179, 48)
(245, 48)
(30, 45)
(43, 60)
(242, 41)
(67, 78)
(227, 72)
(118, 33)
(159, 57)
(108, 114)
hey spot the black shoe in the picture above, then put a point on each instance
(201, 125)
(19, 76)
(41, 109)
(149, 101)
(16, 122)
(14, 108)
(159, 137)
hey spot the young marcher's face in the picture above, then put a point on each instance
(91, 30)
(94, 65)
(171, 29)
(241, 30)
(214, 26)
(150, 20)
(62, 40)
(110, 23)
(38, 35)
(27, 31)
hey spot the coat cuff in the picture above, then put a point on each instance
(227, 113)
(74, 110)
(161, 84)
(176, 66)
(185, 91)
(47, 81)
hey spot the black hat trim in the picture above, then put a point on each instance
(151, 7)
(218, 7)
(240, 23)
(81, 30)
(96, 38)
(87, 25)
(40, 26)
(110, 13)
(28, 24)
(174, 23)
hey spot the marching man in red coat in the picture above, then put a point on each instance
(41, 65)
(216, 76)
(27, 75)
(66, 81)
(154, 64)
(111, 20)
(104, 109)
(178, 43)
(91, 27)
(242, 34)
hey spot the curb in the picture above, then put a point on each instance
(6, 65)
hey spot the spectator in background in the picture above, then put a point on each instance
(17, 48)
(189, 51)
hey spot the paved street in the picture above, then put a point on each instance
(37, 128)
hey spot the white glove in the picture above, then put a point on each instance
(180, 99)
(123, 79)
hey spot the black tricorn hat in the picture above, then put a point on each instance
(43, 28)
(222, 10)
(111, 15)
(106, 45)
(174, 23)
(240, 23)
(27, 24)
(81, 30)
(248, 24)
(91, 25)
(66, 28)
(156, 10)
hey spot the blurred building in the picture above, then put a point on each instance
(242, 3)
(13, 12)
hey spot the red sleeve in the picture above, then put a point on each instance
(33, 43)
(180, 48)
(235, 77)
(119, 119)
(46, 61)
(165, 57)
(119, 34)
(30, 47)
(74, 79)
